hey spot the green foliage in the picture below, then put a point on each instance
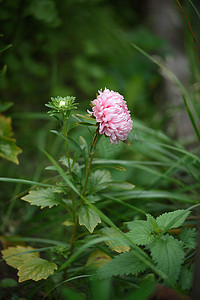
(172, 219)
(85, 150)
(152, 223)
(8, 149)
(5, 105)
(189, 237)
(168, 253)
(29, 265)
(122, 264)
(88, 217)
(44, 197)
(97, 259)
(186, 277)
(115, 240)
(8, 283)
(13, 257)
(98, 180)
(140, 232)
(45, 11)
(78, 47)
(145, 289)
(36, 269)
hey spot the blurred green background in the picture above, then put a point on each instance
(76, 47)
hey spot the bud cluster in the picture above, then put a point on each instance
(61, 105)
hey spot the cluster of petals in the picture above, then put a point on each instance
(112, 114)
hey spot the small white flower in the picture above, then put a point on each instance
(62, 103)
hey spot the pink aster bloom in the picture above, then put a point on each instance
(112, 114)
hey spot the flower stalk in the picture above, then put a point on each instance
(92, 151)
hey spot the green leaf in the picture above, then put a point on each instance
(168, 253)
(68, 293)
(120, 185)
(3, 71)
(45, 11)
(97, 180)
(85, 124)
(84, 147)
(186, 276)
(172, 219)
(189, 237)
(140, 232)
(73, 142)
(88, 217)
(5, 127)
(68, 223)
(122, 264)
(8, 149)
(97, 259)
(8, 283)
(43, 197)
(4, 48)
(152, 223)
(13, 257)
(36, 269)
(75, 167)
(59, 134)
(145, 289)
(5, 106)
(116, 241)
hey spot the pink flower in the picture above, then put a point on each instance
(112, 114)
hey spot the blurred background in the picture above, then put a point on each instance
(76, 47)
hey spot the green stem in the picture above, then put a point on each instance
(92, 150)
(69, 165)
(66, 142)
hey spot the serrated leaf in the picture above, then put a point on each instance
(88, 217)
(140, 232)
(36, 269)
(16, 259)
(172, 219)
(152, 222)
(189, 237)
(122, 264)
(43, 197)
(186, 275)
(97, 259)
(117, 242)
(168, 253)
